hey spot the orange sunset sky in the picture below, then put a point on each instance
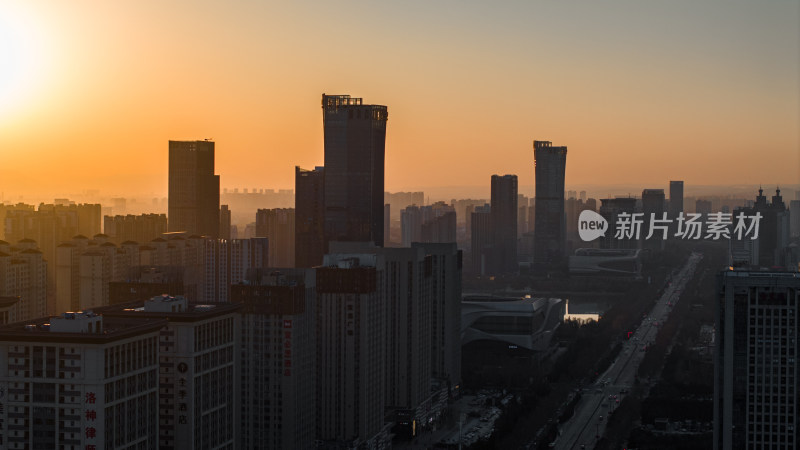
(640, 92)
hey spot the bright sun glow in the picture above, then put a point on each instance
(20, 60)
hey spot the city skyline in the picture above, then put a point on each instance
(638, 92)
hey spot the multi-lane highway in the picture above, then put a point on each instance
(591, 413)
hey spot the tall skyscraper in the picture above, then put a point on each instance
(771, 249)
(309, 235)
(224, 222)
(550, 229)
(755, 366)
(355, 139)
(387, 223)
(481, 238)
(504, 224)
(193, 188)
(653, 203)
(794, 218)
(278, 343)
(675, 198)
(408, 326)
(443, 266)
(352, 313)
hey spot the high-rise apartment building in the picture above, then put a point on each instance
(309, 219)
(755, 370)
(174, 252)
(441, 228)
(443, 267)
(481, 238)
(549, 230)
(5, 209)
(352, 314)
(80, 381)
(794, 218)
(410, 225)
(402, 200)
(84, 269)
(432, 223)
(278, 225)
(227, 262)
(504, 224)
(771, 249)
(198, 359)
(654, 209)
(23, 274)
(224, 222)
(137, 228)
(702, 207)
(675, 198)
(355, 139)
(193, 188)
(278, 348)
(387, 224)
(49, 226)
(610, 209)
(409, 323)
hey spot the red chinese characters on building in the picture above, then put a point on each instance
(91, 415)
(287, 347)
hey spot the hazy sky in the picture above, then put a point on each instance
(640, 91)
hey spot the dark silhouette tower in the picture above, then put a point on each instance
(550, 230)
(675, 198)
(193, 188)
(309, 220)
(355, 141)
(504, 224)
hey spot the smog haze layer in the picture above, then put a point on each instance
(640, 93)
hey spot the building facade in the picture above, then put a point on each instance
(193, 188)
(309, 220)
(80, 381)
(198, 390)
(278, 353)
(550, 228)
(355, 140)
(442, 276)
(351, 316)
(481, 238)
(23, 274)
(504, 224)
(755, 370)
(137, 228)
(278, 225)
(675, 198)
